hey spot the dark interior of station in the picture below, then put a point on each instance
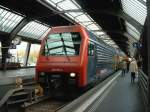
(120, 25)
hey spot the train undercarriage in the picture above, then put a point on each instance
(58, 83)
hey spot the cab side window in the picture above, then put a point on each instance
(90, 49)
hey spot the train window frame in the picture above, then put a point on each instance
(91, 49)
(43, 52)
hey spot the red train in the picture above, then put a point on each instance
(73, 55)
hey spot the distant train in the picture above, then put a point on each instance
(72, 55)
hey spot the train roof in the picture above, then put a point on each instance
(67, 28)
(78, 27)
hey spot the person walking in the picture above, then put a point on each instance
(128, 64)
(133, 69)
(124, 66)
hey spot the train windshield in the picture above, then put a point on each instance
(62, 44)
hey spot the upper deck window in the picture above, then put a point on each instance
(62, 44)
(91, 49)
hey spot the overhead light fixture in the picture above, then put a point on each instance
(100, 33)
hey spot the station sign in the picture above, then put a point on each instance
(137, 45)
(12, 46)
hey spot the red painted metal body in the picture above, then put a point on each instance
(62, 64)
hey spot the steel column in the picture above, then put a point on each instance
(148, 51)
(9, 38)
(4, 45)
(27, 54)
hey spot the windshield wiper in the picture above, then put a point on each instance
(64, 47)
(47, 48)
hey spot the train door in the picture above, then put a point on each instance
(91, 70)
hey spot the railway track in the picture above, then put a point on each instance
(52, 103)
(24, 100)
(48, 105)
(56, 103)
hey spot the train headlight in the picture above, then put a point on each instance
(72, 74)
(42, 74)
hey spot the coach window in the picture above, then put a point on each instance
(91, 49)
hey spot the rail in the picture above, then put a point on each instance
(88, 101)
(143, 84)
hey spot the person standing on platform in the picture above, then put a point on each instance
(133, 69)
(124, 67)
(128, 64)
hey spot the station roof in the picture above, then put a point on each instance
(119, 23)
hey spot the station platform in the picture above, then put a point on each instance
(114, 94)
(9, 76)
(124, 96)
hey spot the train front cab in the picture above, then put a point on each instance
(61, 67)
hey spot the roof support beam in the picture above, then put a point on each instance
(16, 30)
(128, 36)
(125, 34)
(59, 2)
(119, 14)
(127, 43)
(142, 2)
(148, 52)
(46, 4)
(129, 39)
(30, 40)
(130, 20)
